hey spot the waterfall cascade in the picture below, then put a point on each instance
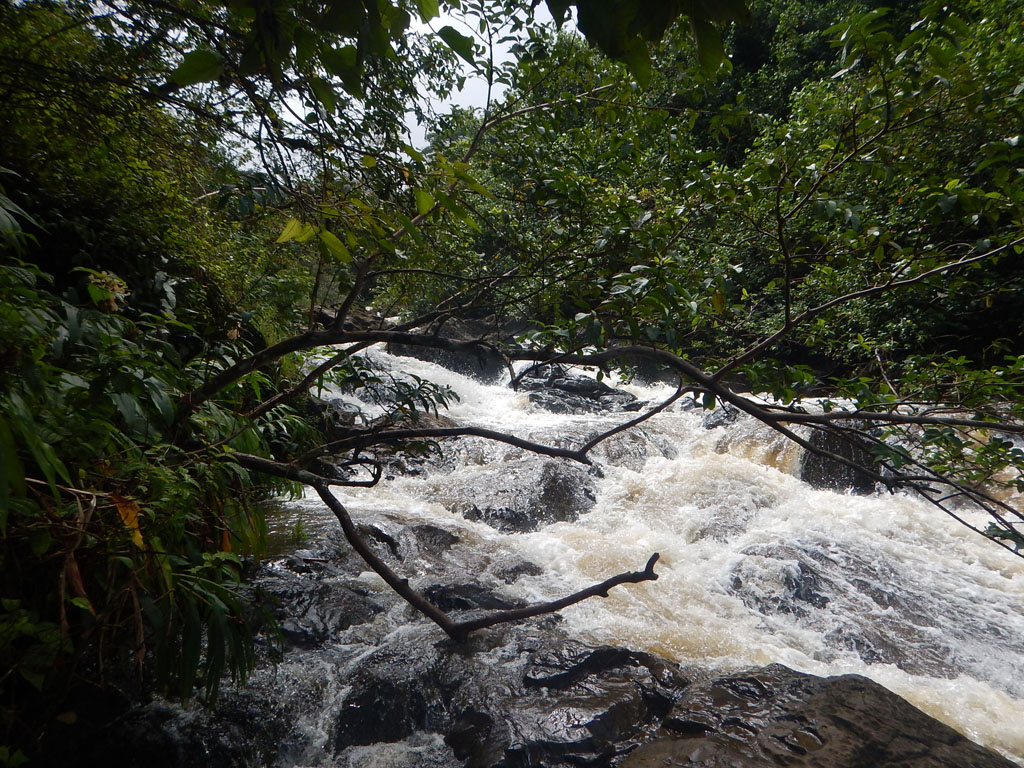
(756, 565)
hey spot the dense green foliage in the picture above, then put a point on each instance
(196, 198)
(120, 293)
(844, 239)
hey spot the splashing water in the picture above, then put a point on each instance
(756, 566)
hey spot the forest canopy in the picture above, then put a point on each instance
(811, 212)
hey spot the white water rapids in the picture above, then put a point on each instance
(756, 566)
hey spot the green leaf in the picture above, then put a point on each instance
(335, 246)
(344, 63)
(160, 399)
(83, 603)
(710, 52)
(428, 9)
(39, 541)
(42, 452)
(458, 211)
(462, 175)
(369, 161)
(324, 93)
(638, 60)
(424, 202)
(12, 473)
(291, 231)
(411, 228)
(198, 67)
(32, 677)
(458, 42)
(414, 153)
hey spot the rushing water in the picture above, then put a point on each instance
(756, 566)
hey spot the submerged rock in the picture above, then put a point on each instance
(521, 495)
(478, 356)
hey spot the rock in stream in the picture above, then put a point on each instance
(363, 681)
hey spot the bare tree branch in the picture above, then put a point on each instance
(459, 631)
(597, 590)
(364, 439)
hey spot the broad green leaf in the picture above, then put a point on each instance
(160, 399)
(335, 246)
(198, 67)
(470, 182)
(42, 452)
(343, 63)
(457, 210)
(36, 679)
(324, 93)
(12, 473)
(369, 161)
(710, 52)
(424, 202)
(414, 153)
(458, 42)
(411, 228)
(638, 60)
(428, 9)
(291, 231)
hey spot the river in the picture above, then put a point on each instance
(756, 566)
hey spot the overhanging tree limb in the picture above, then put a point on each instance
(459, 631)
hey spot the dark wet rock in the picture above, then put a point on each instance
(523, 494)
(556, 389)
(416, 457)
(632, 448)
(380, 540)
(512, 572)
(722, 416)
(531, 697)
(832, 474)
(310, 610)
(798, 586)
(390, 691)
(777, 717)
(163, 735)
(433, 538)
(467, 597)
(334, 417)
(364, 681)
(527, 697)
(825, 589)
(477, 356)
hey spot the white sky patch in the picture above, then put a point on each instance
(474, 94)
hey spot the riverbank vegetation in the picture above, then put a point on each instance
(208, 208)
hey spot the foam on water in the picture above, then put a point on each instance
(757, 567)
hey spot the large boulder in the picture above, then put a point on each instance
(832, 473)
(555, 388)
(777, 717)
(529, 696)
(520, 495)
(477, 354)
